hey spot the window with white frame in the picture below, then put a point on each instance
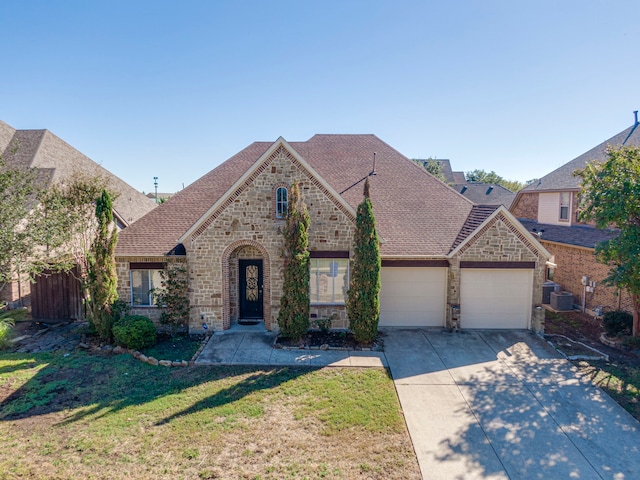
(282, 202)
(142, 284)
(565, 204)
(329, 280)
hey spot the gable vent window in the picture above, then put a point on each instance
(282, 202)
(565, 200)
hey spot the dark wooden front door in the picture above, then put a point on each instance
(250, 279)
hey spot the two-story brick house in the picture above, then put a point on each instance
(550, 207)
(438, 248)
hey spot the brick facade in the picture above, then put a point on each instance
(575, 262)
(527, 206)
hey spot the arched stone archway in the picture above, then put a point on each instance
(232, 254)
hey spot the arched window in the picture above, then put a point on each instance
(282, 201)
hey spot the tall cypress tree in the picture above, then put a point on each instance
(363, 299)
(102, 278)
(293, 317)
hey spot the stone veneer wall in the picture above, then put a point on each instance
(245, 225)
(527, 207)
(499, 241)
(124, 282)
(573, 263)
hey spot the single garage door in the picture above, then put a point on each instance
(412, 296)
(495, 298)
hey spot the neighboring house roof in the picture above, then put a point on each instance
(56, 160)
(161, 195)
(578, 235)
(486, 194)
(416, 214)
(563, 179)
(458, 177)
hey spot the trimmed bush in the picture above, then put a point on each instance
(617, 323)
(134, 331)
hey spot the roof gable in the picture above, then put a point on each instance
(57, 161)
(279, 146)
(563, 178)
(501, 214)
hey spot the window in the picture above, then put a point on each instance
(142, 284)
(329, 280)
(565, 201)
(282, 201)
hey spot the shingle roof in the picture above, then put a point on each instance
(478, 214)
(578, 235)
(485, 194)
(445, 168)
(416, 214)
(46, 152)
(563, 179)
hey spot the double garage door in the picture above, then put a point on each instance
(489, 298)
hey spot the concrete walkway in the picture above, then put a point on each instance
(504, 405)
(254, 347)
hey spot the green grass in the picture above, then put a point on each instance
(84, 416)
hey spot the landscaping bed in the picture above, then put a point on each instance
(329, 340)
(619, 376)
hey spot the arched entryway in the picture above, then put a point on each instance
(246, 283)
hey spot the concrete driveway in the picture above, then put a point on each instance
(504, 405)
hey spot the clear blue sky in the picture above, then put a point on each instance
(172, 89)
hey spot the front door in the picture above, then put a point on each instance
(250, 279)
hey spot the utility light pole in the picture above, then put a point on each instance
(155, 184)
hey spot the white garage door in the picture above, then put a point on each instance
(494, 298)
(412, 296)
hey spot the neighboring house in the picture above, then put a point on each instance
(438, 248)
(481, 193)
(56, 161)
(550, 208)
(486, 194)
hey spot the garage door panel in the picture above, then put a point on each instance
(412, 296)
(495, 298)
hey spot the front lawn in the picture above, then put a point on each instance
(86, 416)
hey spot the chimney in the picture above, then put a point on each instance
(635, 117)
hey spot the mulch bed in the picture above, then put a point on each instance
(329, 340)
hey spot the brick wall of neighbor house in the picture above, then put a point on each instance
(498, 241)
(527, 207)
(575, 262)
(124, 283)
(245, 225)
(12, 292)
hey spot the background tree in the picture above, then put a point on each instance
(610, 196)
(293, 317)
(102, 278)
(494, 179)
(433, 166)
(363, 299)
(19, 189)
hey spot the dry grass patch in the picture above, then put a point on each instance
(93, 417)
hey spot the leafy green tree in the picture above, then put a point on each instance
(363, 299)
(293, 317)
(494, 179)
(102, 279)
(433, 166)
(610, 196)
(19, 188)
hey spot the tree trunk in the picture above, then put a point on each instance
(636, 315)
